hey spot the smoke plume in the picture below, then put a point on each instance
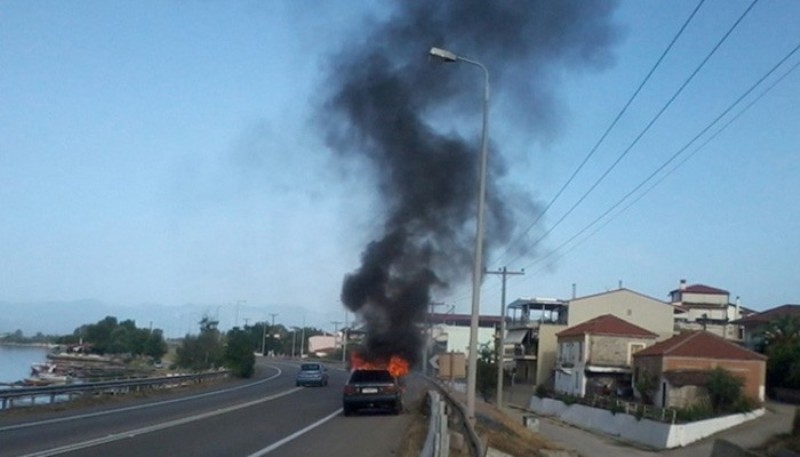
(393, 109)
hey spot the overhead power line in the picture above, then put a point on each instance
(608, 130)
(666, 163)
(647, 127)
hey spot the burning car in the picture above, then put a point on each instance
(374, 386)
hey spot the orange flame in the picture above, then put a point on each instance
(397, 365)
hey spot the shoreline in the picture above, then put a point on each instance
(30, 345)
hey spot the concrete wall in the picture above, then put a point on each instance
(657, 435)
(646, 312)
(547, 352)
(714, 299)
(613, 350)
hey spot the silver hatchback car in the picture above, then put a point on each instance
(312, 374)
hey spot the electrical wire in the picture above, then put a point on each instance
(680, 152)
(607, 131)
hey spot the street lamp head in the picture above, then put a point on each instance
(443, 54)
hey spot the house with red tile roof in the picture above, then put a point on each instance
(702, 307)
(677, 369)
(755, 324)
(594, 357)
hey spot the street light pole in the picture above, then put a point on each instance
(345, 331)
(477, 268)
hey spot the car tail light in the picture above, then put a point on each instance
(350, 390)
(390, 389)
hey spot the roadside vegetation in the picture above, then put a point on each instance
(235, 350)
(780, 342)
(111, 337)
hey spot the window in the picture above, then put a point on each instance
(633, 348)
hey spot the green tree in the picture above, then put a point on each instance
(646, 386)
(203, 351)
(154, 345)
(781, 344)
(486, 373)
(724, 390)
(239, 357)
(99, 334)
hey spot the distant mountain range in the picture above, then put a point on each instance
(63, 317)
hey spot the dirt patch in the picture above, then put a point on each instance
(507, 434)
(494, 427)
(416, 432)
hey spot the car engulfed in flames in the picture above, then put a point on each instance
(374, 385)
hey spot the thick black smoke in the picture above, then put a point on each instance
(385, 106)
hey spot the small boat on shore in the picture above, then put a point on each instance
(46, 374)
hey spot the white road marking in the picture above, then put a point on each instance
(153, 428)
(295, 435)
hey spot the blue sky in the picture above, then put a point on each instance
(164, 153)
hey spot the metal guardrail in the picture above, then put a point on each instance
(437, 442)
(476, 447)
(8, 396)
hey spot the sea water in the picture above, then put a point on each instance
(15, 361)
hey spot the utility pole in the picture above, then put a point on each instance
(345, 331)
(500, 350)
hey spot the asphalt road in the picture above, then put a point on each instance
(253, 418)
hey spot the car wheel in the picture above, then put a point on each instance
(398, 407)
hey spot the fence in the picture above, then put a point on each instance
(615, 405)
(10, 397)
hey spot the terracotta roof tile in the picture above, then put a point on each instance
(607, 324)
(771, 314)
(699, 344)
(702, 289)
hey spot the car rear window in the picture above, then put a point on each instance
(371, 376)
(309, 367)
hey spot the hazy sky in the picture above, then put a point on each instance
(167, 152)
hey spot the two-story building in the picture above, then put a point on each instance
(702, 307)
(535, 322)
(756, 324)
(595, 357)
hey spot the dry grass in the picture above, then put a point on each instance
(417, 430)
(506, 433)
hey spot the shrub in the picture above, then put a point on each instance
(615, 408)
(724, 389)
(541, 391)
(695, 413)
